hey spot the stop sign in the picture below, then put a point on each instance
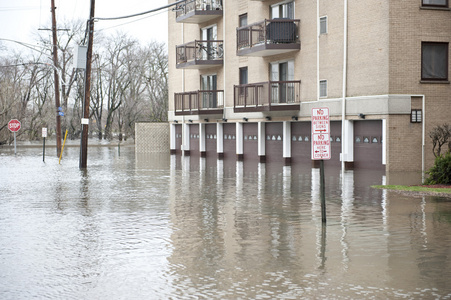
(14, 125)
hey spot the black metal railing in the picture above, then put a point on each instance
(200, 50)
(197, 101)
(192, 5)
(275, 31)
(267, 93)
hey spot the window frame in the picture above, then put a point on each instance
(319, 84)
(280, 6)
(436, 79)
(446, 5)
(323, 18)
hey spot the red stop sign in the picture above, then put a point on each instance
(14, 125)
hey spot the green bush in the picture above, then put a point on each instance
(440, 173)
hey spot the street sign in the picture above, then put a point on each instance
(14, 125)
(320, 120)
(320, 146)
(320, 133)
(44, 132)
(61, 113)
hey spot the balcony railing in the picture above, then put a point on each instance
(267, 96)
(198, 11)
(199, 102)
(200, 54)
(268, 37)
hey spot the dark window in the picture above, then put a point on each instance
(243, 75)
(243, 80)
(243, 20)
(243, 34)
(434, 61)
(439, 3)
(323, 25)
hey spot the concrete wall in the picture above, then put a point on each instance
(152, 138)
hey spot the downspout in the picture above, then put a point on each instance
(423, 137)
(317, 49)
(183, 90)
(224, 59)
(344, 138)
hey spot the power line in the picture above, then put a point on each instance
(139, 14)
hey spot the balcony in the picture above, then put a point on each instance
(200, 55)
(269, 37)
(267, 96)
(199, 103)
(198, 11)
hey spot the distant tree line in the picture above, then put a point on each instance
(129, 83)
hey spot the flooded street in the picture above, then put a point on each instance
(168, 227)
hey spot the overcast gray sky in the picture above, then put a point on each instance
(19, 19)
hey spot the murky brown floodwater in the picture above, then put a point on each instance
(167, 227)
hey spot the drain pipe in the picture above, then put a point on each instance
(345, 71)
(423, 129)
(317, 49)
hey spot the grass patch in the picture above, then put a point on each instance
(414, 188)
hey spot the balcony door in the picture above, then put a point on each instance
(209, 49)
(281, 91)
(208, 86)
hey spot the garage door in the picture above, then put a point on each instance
(368, 144)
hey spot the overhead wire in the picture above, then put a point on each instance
(138, 14)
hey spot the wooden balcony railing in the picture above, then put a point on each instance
(281, 32)
(199, 5)
(199, 102)
(271, 95)
(200, 51)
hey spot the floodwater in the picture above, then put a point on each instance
(169, 227)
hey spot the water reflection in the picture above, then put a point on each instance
(136, 226)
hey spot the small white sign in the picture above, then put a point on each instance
(84, 121)
(320, 133)
(320, 146)
(44, 132)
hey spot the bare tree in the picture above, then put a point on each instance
(440, 135)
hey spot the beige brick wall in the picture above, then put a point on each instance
(152, 138)
(384, 57)
(409, 26)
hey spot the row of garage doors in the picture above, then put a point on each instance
(367, 142)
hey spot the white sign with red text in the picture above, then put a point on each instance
(320, 133)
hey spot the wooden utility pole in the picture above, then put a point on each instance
(85, 119)
(57, 84)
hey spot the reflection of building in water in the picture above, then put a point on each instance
(245, 75)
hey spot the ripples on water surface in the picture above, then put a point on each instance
(166, 227)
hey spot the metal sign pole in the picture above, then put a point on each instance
(322, 190)
(15, 149)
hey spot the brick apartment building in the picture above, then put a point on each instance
(244, 76)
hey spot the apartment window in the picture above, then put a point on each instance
(323, 25)
(434, 61)
(438, 3)
(416, 116)
(323, 88)
(283, 10)
(243, 75)
(242, 20)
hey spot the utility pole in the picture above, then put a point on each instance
(57, 87)
(85, 119)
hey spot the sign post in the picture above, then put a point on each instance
(321, 148)
(14, 126)
(44, 135)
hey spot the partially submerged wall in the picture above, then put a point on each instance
(152, 138)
